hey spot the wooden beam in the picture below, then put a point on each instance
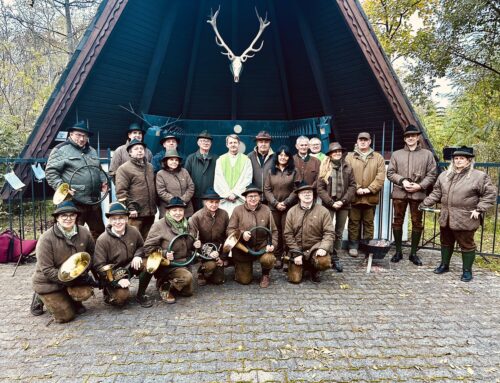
(315, 63)
(158, 57)
(278, 51)
(193, 59)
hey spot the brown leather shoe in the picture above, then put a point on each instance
(264, 282)
(167, 296)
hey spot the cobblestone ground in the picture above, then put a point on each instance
(398, 324)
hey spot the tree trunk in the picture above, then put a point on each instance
(69, 28)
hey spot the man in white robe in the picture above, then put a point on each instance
(233, 173)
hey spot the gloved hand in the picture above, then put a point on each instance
(298, 260)
(475, 214)
(124, 283)
(321, 252)
(136, 263)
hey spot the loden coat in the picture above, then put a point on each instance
(63, 163)
(307, 170)
(202, 171)
(135, 187)
(459, 194)
(369, 174)
(111, 249)
(171, 184)
(120, 156)
(279, 187)
(244, 219)
(309, 230)
(52, 249)
(260, 172)
(208, 228)
(349, 188)
(160, 235)
(418, 166)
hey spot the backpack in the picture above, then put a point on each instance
(10, 246)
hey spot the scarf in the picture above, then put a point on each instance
(180, 227)
(232, 173)
(68, 234)
(337, 179)
(364, 156)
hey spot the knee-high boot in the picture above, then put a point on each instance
(468, 258)
(142, 298)
(398, 242)
(444, 266)
(415, 239)
(336, 264)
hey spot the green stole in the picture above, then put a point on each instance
(232, 173)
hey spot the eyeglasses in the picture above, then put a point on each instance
(68, 217)
(78, 135)
(118, 219)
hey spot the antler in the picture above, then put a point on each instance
(263, 24)
(218, 38)
(131, 110)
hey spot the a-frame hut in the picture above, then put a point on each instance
(320, 58)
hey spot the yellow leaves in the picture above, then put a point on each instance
(470, 371)
(26, 345)
(345, 286)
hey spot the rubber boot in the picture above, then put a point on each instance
(398, 241)
(468, 258)
(415, 239)
(444, 266)
(336, 264)
(142, 298)
(36, 307)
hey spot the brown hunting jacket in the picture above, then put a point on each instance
(52, 249)
(111, 249)
(135, 187)
(260, 172)
(459, 194)
(307, 170)
(309, 230)
(244, 219)
(208, 228)
(349, 188)
(175, 184)
(279, 188)
(418, 166)
(369, 174)
(160, 235)
(120, 156)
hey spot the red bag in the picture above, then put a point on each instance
(10, 246)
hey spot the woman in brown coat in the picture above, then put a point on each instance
(278, 189)
(336, 188)
(56, 245)
(465, 194)
(174, 181)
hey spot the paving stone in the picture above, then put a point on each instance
(399, 323)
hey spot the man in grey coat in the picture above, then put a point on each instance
(262, 159)
(76, 161)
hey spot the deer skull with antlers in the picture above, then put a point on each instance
(237, 61)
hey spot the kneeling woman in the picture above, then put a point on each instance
(120, 247)
(56, 245)
(172, 280)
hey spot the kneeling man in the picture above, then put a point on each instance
(120, 247)
(249, 216)
(309, 235)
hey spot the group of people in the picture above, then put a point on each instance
(278, 208)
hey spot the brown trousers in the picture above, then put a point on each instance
(61, 304)
(465, 238)
(143, 224)
(360, 218)
(243, 271)
(212, 273)
(340, 217)
(400, 206)
(279, 218)
(314, 263)
(92, 216)
(179, 278)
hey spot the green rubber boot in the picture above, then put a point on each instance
(468, 258)
(444, 266)
(398, 242)
(415, 239)
(142, 298)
